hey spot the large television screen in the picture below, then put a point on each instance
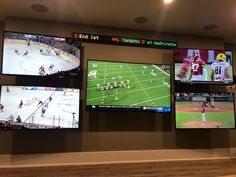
(40, 55)
(204, 110)
(203, 66)
(32, 107)
(123, 86)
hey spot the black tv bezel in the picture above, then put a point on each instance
(88, 107)
(49, 129)
(203, 82)
(69, 75)
(204, 128)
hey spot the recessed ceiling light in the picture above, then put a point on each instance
(210, 27)
(168, 1)
(39, 8)
(140, 19)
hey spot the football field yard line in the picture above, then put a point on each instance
(161, 70)
(118, 69)
(127, 92)
(124, 77)
(150, 100)
(104, 80)
(148, 96)
(105, 68)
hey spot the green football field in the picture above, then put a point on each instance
(185, 114)
(128, 84)
(208, 67)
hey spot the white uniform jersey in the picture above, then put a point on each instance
(219, 70)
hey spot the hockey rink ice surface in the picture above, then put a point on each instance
(29, 65)
(144, 89)
(58, 113)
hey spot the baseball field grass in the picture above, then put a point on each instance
(188, 115)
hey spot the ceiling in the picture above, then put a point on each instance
(181, 16)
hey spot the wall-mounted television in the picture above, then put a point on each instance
(32, 107)
(124, 86)
(203, 66)
(40, 55)
(204, 110)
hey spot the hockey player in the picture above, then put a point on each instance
(51, 67)
(1, 107)
(40, 103)
(42, 70)
(16, 51)
(73, 115)
(21, 104)
(26, 53)
(43, 110)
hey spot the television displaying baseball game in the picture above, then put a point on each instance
(204, 110)
(40, 55)
(203, 66)
(32, 107)
(123, 86)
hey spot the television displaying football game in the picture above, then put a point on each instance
(203, 66)
(122, 86)
(40, 55)
(204, 110)
(31, 107)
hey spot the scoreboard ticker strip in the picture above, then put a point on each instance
(104, 39)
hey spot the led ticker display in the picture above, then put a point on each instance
(103, 39)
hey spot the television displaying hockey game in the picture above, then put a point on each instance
(123, 86)
(203, 66)
(204, 110)
(40, 55)
(31, 107)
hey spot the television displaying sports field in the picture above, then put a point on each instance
(204, 110)
(40, 55)
(123, 86)
(32, 107)
(203, 66)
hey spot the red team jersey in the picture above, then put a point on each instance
(203, 110)
(204, 104)
(183, 70)
(197, 67)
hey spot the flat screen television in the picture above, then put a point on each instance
(203, 66)
(32, 107)
(204, 110)
(40, 55)
(123, 86)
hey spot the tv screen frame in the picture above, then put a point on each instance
(199, 110)
(185, 59)
(115, 82)
(48, 68)
(49, 111)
